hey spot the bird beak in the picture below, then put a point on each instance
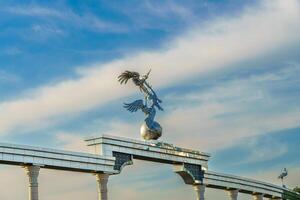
(148, 73)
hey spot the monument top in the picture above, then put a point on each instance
(150, 129)
(156, 151)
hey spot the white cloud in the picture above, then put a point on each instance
(274, 24)
(33, 10)
(72, 142)
(200, 127)
(167, 9)
(232, 112)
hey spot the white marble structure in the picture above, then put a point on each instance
(34, 158)
(155, 151)
(113, 153)
(33, 173)
(191, 165)
(55, 159)
(241, 184)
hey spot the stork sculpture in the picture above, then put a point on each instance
(150, 129)
(283, 174)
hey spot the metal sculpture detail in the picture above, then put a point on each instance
(150, 129)
(283, 174)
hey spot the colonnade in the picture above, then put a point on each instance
(32, 172)
(232, 193)
(102, 179)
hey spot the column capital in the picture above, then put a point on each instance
(198, 187)
(122, 160)
(32, 171)
(233, 194)
(101, 176)
(200, 190)
(258, 196)
(190, 173)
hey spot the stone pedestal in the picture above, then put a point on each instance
(258, 197)
(102, 180)
(233, 194)
(33, 173)
(200, 190)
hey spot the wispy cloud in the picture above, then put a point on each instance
(43, 32)
(163, 10)
(262, 151)
(199, 51)
(72, 142)
(235, 110)
(65, 16)
(11, 51)
(163, 15)
(34, 11)
(6, 77)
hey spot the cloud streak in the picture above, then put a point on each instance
(6, 77)
(67, 17)
(234, 111)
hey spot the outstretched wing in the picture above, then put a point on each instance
(125, 76)
(134, 106)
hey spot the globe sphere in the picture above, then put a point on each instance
(151, 134)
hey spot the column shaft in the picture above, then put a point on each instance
(233, 194)
(102, 180)
(200, 190)
(33, 173)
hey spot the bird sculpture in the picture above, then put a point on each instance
(283, 174)
(150, 129)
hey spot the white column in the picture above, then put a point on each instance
(33, 173)
(258, 197)
(102, 180)
(233, 194)
(200, 190)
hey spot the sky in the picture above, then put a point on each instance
(227, 72)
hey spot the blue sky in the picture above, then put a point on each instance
(227, 71)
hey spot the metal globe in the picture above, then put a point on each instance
(151, 134)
